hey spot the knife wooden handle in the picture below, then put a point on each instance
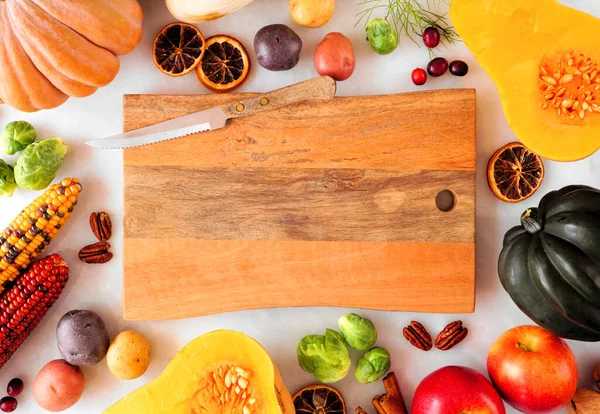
(322, 88)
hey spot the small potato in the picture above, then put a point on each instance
(277, 47)
(58, 386)
(82, 337)
(311, 13)
(335, 57)
(128, 356)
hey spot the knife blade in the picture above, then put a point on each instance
(322, 88)
(207, 120)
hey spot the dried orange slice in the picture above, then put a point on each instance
(225, 65)
(514, 173)
(319, 399)
(178, 49)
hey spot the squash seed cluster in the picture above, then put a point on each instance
(229, 386)
(573, 88)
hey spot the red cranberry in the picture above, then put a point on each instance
(431, 37)
(437, 67)
(8, 404)
(419, 76)
(15, 387)
(459, 68)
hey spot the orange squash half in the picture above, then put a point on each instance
(545, 61)
(222, 372)
(53, 49)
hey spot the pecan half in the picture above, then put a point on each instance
(96, 253)
(417, 335)
(101, 225)
(453, 334)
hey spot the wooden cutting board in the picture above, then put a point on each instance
(319, 204)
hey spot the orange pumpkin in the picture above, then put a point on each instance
(53, 49)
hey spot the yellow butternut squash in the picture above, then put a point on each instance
(222, 372)
(544, 59)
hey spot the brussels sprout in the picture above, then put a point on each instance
(382, 37)
(324, 356)
(16, 137)
(7, 180)
(373, 365)
(359, 333)
(38, 164)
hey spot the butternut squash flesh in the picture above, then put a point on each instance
(544, 59)
(222, 372)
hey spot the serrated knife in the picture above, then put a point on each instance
(322, 88)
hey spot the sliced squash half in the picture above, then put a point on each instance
(222, 372)
(544, 59)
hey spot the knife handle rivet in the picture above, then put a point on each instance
(240, 107)
(264, 101)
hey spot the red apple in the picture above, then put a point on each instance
(456, 390)
(534, 370)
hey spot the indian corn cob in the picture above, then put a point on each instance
(23, 306)
(33, 229)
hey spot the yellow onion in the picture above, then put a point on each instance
(585, 401)
(197, 11)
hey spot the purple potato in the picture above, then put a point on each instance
(82, 338)
(277, 47)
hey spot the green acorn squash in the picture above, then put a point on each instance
(550, 264)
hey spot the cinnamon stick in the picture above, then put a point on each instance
(392, 402)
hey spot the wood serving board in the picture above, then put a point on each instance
(319, 204)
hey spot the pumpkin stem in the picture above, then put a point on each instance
(532, 222)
